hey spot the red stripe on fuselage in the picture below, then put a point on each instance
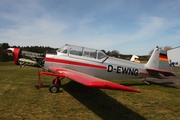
(75, 63)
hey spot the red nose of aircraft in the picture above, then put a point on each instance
(15, 52)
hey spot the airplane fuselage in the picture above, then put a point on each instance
(106, 67)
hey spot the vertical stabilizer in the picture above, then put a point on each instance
(135, 58)
(159, 62)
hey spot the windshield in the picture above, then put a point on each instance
(87, 52)
(63, 49)
(82, 51)
(101, 55)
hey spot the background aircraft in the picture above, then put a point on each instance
(135, 58)
(91, 67)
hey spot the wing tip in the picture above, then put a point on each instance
(128, 89)
(111, 86)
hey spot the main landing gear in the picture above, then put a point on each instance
(146, 82)
(56, 83)
(54, 88)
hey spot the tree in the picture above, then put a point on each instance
(150, 53)
(166, 48)
(4, 46)
(3, 55)
(114, 53)
(104, 51)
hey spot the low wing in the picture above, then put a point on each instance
(90, 81)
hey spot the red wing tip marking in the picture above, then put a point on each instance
(110, 85)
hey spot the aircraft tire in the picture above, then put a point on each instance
(54, 88)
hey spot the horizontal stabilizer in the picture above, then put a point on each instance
(164, 72)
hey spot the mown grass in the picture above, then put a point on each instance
(19, 99)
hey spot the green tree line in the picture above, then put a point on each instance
(3, 55)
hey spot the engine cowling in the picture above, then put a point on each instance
(16, 54)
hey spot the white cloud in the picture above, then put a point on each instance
(102, 25)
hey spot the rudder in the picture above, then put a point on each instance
(159, 62)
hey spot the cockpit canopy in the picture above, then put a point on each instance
(81, 51)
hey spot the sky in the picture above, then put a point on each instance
(129, 26)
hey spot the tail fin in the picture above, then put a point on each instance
(135, 58)
(158, 64)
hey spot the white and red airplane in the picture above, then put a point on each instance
(91, 67)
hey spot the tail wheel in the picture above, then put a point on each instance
(54, 88)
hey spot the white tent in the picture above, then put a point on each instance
(174, 56)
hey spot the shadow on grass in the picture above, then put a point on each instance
(164, 84)
(134, 84)
(100, 103)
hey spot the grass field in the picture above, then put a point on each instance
(19, 99)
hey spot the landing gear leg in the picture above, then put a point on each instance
(146, 82)
(57, 80)
(54, 88)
